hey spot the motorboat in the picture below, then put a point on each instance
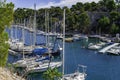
(76, 75)
(94, 46)
(76, 37)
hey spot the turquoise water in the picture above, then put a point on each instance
(99, 66)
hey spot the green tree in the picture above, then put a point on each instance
(114, 15)
(87, 6)
(84, 22)
(6, 17)
(114, 29)
(102, 5)
(104, 23)
(22, 13)
(79, 7)
(70, 21)
(94, 6)
(111, 5)
(52, 74)
(107, 5)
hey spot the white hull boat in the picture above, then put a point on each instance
(29, 61)
(75, 76)
(43, 67)
(94, 46)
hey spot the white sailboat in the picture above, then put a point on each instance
(94, 46)
(15, 44)
(76, 75)
(38, 65)
(43, 66)
(76, 37)
(31, 61)
(27, 61)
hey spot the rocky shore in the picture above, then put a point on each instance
(5, 74)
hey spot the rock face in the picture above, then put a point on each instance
(5, 74)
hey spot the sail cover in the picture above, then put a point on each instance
(40, 51)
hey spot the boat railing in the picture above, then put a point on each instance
(83, 68)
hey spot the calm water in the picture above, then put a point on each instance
(99, 66)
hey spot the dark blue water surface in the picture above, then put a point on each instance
(99, 66)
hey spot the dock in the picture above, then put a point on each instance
(108, 47)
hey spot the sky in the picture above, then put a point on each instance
(46, 3)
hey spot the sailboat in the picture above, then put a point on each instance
(46, 50)
(30, 60)
(76, 75)
(34, 60)
(15, 44)
(43, 66)
(40, 64)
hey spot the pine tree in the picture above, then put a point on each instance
(6, 17)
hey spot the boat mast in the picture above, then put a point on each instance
(51, 24)
(23, 36)
(34, 25)
(46, 27)
(63, 43)
(30, 32)
(11, 33)
(16, 31)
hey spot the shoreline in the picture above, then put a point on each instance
(6, 74)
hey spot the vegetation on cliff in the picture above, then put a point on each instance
(82, 17)
(6, 17)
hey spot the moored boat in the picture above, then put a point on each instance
(43, 67)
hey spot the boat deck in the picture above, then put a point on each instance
(108, 47)
(12, 52)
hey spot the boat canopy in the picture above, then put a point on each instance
(39, 51)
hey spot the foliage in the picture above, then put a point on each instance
(114, 15)
(6, 17)
(73, 19)
(87, 6)
(115, 18)
(114, 29)
(22, 13)
(111, 5)
(94, 6)
(102, 5)
(52, 74)
(104, 23)
(84, 21)
(78, 7)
